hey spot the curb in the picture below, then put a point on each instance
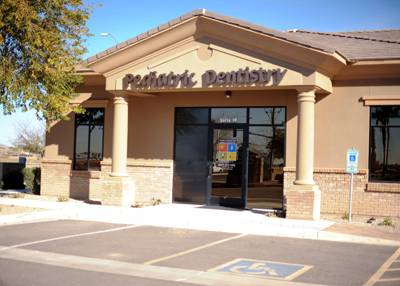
(32, 217)
(342, 237)
(186, 218)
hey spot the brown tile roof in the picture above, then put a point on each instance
(358, 45)
(353, 45)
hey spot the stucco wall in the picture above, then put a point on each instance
(60, 139)
(342, 120)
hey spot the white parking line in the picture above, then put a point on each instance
(75, 235)
(136, 270)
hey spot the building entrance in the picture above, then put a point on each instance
(230, 156)
(228, 171)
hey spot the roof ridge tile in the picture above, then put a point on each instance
(349, 34)
(288, 35)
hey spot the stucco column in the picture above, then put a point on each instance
(120, 136)
(303, 198)
(305, 138)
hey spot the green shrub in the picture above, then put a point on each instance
(32, 179)
(387, 221)
(346, 215)
(13, 180)
(17, 196)
(137, 204)
(62, 200)
(155, 202)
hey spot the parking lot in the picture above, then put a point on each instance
(73, 252)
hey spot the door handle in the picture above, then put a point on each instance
(210, 170)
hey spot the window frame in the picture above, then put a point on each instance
(76, 125)
(371, 126)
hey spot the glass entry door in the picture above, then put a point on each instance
(230, 156)
(227, 171)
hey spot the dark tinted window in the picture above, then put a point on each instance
(89, 129)
(228, 115)
(385, 143)
(191, 115)
(268, 116)
(190, 163)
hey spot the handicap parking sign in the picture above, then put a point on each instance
(352, 161)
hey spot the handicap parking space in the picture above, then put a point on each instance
(264, 269)
(328, 262)
(172, 250)
(135, 244)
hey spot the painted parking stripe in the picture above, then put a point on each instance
(75, 235)
(376, 277)
(192, 250)
(262, 269)
(195, 277)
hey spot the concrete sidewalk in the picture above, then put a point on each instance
(192, 217)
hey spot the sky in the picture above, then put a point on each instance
(125, 19)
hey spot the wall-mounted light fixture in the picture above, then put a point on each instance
(228, 94)
(108, 34)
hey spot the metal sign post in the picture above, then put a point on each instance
(352, 168)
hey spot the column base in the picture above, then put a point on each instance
(118, 174)
(303, 202)
(118, 191)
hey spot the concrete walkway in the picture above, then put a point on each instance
(191, 217)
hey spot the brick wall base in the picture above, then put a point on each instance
(370, 199)
(55, 178)
(151, 180)
(303, 202)
(59, 180)
(118, 192)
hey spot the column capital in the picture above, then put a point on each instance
(306, 89)
(120, 93)
(121, 99)
(306, 94)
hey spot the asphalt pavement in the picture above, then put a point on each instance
(83, 244)
(202, 218)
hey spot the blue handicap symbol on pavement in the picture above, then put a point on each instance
(262, 269)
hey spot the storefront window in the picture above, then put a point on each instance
(229, 115)
(191, 135)
(268, 116)
(89, 129)
(385, 143)
(205, 173)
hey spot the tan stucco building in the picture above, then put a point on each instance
(210, 109)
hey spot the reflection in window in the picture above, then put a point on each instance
(229, 115)
(190, 163)
(385, 143)
(267, 115)
(89, 129)
(191, 115)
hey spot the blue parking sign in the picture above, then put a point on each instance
(352, 161)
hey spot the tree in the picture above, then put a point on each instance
(41, 42)
(30, 139)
